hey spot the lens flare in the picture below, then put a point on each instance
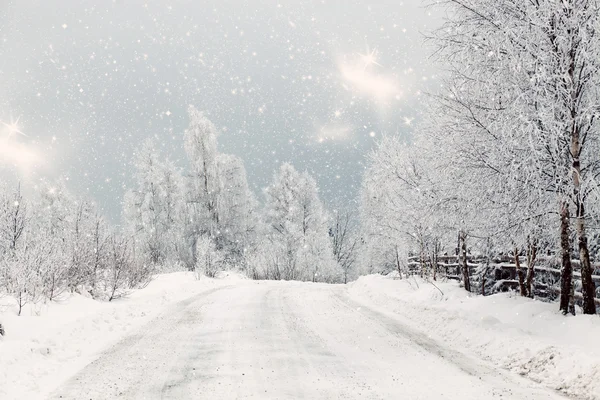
(12, 128)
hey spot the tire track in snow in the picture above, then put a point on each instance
(470, 365)
(136, 362)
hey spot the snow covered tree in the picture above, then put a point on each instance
(32, 256)
(14, 219)
(401, 207)
(345, 241)
(88, 247)
(203, 182)
(525, 76)
(19, 258)
(52, 219)
(153, 211)
(120, 265)
(219, 203)
(209, 260)
(297, 230)
(237, 208)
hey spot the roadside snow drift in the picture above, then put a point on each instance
(525, 336)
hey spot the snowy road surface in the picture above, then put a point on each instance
(287, 340)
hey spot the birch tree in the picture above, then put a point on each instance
(153, 210)
(237, 208)
(531, 70)
(345, 241)
(220, 205)
(203, 182)
(296, 225)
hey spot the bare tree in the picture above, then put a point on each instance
(120, 265)
(15, 218)
(344, 240)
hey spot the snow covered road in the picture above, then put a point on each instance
(287, 340)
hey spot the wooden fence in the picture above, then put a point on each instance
(500, 274)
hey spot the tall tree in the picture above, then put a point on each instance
(237, 208)
(203, 183)
(524, 75)
(297, 227)
(220, 204)
(153, 209)
(345, 241)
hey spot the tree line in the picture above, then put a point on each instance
(207, 219)
(55, 243)
(204, 219)
(507, 158)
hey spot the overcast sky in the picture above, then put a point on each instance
(311, 82)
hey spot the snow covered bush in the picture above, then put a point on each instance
(209, 260)
(21, 281)
(120, 268)
(52, 244)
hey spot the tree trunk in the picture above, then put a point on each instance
(488, 256)
(577, 142)
(465, 265)
(435, 258)
(520, 274)
(20, 302)
(531, 259)
(588, 287)
(398, 265)
(422, 257)
(566, 274)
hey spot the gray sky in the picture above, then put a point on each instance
(311, 82)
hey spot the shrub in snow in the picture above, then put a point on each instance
(119, 271)
(209, 260)
(140, 274)
(23, 279)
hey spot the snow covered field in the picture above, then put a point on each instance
(528, 337)
(235, 338)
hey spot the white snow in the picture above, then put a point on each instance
(375, 336)
(49, 343)
(287, 340)
(525, 336)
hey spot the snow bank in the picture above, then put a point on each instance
(49, 343)
(232, 275)
(526, 336)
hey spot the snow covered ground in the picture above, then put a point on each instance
(525, 336)
(377, 338)
(287, 340)
(48, 344)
